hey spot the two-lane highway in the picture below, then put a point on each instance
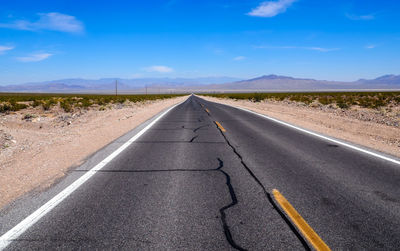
(202, 178)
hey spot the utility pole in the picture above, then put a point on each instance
(116, 87)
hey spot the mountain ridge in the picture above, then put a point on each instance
(270, 82)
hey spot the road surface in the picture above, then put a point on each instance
(202, 177)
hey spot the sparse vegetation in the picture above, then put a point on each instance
(29, 116)
(11, 102)
(343, 100)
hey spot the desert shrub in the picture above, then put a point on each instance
(342, 105)
(29, 116)
(46, 105)
(5, 108)
(344, 100)
(10, 101)
(325, 100)
(66, 105)
(121, 100)
(257, 97)
(36, 103)
(84, 103)
(18, 107)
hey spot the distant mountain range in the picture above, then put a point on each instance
(276, 83)
(151, 85)
(108, 84)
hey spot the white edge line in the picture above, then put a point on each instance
(21, 227)
(321, 136)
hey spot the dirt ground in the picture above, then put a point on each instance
(376, 129)
(38, 147)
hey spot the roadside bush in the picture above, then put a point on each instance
(36, 103)
(257, 97)
(66, 106)
(46, 105)
(342, 105)
(344, 100)
(5, 108)
(29, 116)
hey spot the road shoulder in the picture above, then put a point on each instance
(382, 138)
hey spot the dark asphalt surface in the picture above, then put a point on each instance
(185, 185)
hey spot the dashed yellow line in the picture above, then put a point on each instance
(220, 126)
(312, 237)
(207, 111)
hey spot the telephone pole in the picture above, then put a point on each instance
(116, 87)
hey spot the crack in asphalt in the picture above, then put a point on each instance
(198, 128)
(234, 201)
(191, 141)
(267, 194)
(222, 210)
(195, 131)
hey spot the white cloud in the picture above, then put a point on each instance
(239, 58)
(35, 57)
(270, 8)
(159, 69)
(48, 21)
(320, 49)
(360, 17)
(5, 48)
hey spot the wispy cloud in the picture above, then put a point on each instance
(320, 49)
(239, 58)
(218, 51)
(5, 48)
(370, 46)
(271, 8)
(35, 57)
(159, 69)
(48, 21)
(360, 17)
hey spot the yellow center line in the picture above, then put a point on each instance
(301, 224)
(207, 110)
(220, 126)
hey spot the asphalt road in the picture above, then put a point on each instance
(187, 184)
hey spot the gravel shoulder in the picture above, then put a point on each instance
(37, 147)
(376, 129)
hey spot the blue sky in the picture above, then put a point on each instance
(330, 39)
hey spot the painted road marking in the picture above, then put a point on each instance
(377, 155)
(220, 126)
(312, 237)
(21, 227)
(207, 111)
